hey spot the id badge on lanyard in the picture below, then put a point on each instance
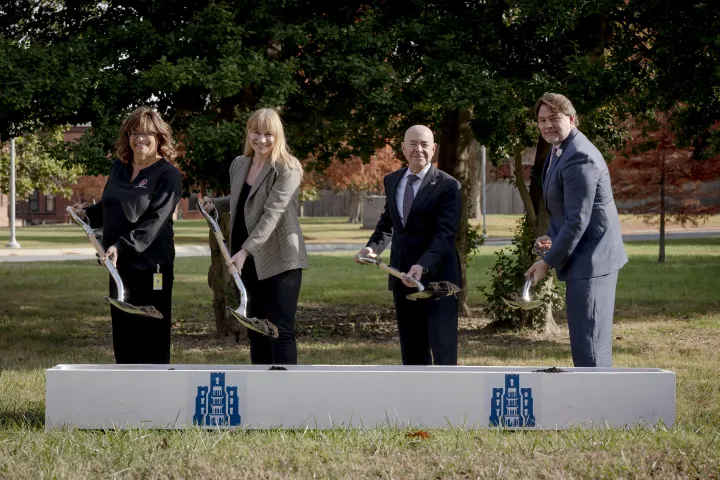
(157, 279)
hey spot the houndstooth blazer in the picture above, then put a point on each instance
(271, 216)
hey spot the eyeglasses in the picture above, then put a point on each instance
(141, 134)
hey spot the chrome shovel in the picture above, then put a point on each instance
(119, 302)
(240, 314)
(525, 302)
(433, 290)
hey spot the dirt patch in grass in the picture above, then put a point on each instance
(333, 323)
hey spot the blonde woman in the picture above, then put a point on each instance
(266, 243)
(135, 213)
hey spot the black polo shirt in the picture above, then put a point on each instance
(136, 216)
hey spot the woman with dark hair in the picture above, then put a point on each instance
(135, 213)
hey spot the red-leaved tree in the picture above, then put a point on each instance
(88, 189)
(356, 177)
(308, 186)
(660, 181)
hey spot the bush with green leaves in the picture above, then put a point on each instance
(507, 278)
(475, 240)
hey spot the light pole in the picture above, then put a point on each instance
(12, 243)
(484, 189)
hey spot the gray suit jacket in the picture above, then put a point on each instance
(584, 223)
(275, 240)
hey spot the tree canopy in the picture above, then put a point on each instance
(350, 76)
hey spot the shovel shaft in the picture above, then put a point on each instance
(215, 227)
(223, 250)
(526, 289)
(98, 248)
(397, 273)
(88, 231)
(242, 308)
(116, 278)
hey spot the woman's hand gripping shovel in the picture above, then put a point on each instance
(525, 301)
(240, 314)
(433, 290)
(118, 302)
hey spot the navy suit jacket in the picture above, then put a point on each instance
(428, 236)
(584, 223)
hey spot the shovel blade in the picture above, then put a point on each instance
(419, 295)
(429, 293)
(522, 305)
(126, 307)
(261, 326)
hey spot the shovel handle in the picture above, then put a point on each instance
(88, 231)
(397, 273)
(215, 227)
(226, 255)
(221, 242)
(392, 271)
(98, 248)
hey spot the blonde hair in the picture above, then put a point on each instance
(147, 120)
(267, 120)
(557, 103)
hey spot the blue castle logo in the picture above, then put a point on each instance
(217, 405)
(512, 406)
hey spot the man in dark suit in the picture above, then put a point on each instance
(422, 215)
(584, 242)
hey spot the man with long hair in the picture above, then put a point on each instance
(584, 241)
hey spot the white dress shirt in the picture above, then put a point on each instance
(400, 190)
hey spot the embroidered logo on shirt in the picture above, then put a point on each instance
(142, 183)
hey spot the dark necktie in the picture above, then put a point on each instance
(552, 155)
(408, 196)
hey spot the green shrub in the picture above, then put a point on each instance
(507, 278)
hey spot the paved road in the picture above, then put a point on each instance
(87, 253)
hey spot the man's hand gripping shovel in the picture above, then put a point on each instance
(525, 301)
(433, 290)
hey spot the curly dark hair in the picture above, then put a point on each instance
(145, 119)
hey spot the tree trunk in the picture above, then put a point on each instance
(356, 206)
(536, 189)
(519, 174)
(453, 158)
(475, 181)
(661, 255)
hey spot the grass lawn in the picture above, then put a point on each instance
(668, 316)
(315, 230)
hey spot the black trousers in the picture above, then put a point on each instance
(137, 338)
(274, 299)
(428, 329)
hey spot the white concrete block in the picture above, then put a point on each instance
(318, 396)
